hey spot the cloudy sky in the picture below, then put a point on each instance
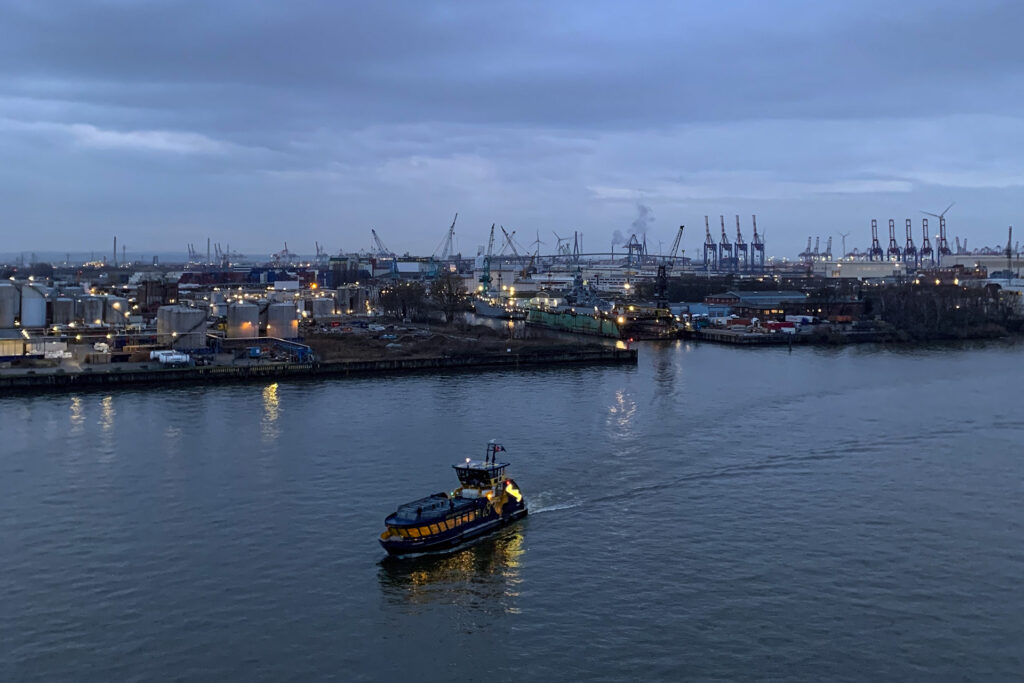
(165, 122)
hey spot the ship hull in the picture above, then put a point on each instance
(576, 323)
(400, 547)
(489, 310)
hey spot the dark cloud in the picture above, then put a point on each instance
(251, 118)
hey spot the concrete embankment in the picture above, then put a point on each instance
(111, 375)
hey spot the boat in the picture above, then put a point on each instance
(493, 308)
(485, 501)
(582, 311)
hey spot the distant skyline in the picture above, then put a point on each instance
(167, 122)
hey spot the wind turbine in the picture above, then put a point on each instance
(842, 236)
(943, 246)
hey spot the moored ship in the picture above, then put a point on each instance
(486, 501)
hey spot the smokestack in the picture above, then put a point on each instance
(115, 250)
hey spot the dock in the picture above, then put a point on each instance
(114, 375)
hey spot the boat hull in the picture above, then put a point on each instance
(399, 547)
(489, 310)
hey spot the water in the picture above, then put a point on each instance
(850, 514)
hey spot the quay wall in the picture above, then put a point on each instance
(113, 376)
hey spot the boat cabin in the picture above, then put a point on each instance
(482, 474)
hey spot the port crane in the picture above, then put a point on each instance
(445, 247)
(757, 250)
(875, 253)
(909, 250)
(828, 248)
(661, 282)
(741, 249)
(485, 275)
(509, 242)
(926, 244)
(943, 245)
(379, 248)
(726, 255)
(710, 248)
(893, 253)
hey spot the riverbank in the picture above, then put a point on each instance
(60, 379)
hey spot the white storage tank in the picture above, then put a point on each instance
(33, 307)
(322, 308)
(282, 321)
(91, 310)
(181, 327)
(63, 311)
(9, 305)
(243, 321)
(116, 310)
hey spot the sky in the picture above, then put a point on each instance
(255, 123)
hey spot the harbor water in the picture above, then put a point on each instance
(714, 513)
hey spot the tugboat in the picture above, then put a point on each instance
(485, 501)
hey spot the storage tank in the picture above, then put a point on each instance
(91, 310)
(282, 321)
(63, 311)
(181, 327)
(9, 305)
(116, 307)
(243, 321)
(33, 307)
(322, 307)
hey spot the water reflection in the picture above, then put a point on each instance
(77, 416)
(271, 412)
(484, 576)
(107, 413)
(622, 412)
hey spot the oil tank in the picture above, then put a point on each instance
(282, 321)
(243, 321)
(63, 311)
(9, 305)
(33, 307)
(91, 310)
(322, 307)
(116, 309)
(181, 327)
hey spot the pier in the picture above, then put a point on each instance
(119, 375)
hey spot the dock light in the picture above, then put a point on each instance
(98, 321)
(621, 320)
(956, 281)
(937, 281)
(626, 286)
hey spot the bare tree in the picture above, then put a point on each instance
(449, 293)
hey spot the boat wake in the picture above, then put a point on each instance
(552, 508)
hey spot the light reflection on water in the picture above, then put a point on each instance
(484, 576)
(271, 413)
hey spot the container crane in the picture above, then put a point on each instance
(909, 250)
(875, 253)
(726, 255)
(926, 244)
(710, 248)
(893, 253)
(757, 250)
(741, 249)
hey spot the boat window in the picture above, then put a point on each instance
(433, 528)
(413, 533)
(424, 531)
(442, 526)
